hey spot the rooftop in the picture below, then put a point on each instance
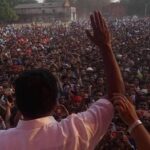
(40, 5)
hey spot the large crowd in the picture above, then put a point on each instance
(77, 64)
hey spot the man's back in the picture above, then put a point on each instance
(77, 132)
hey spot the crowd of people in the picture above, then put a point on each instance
(77, 64)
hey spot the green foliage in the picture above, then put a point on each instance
(16, 2)
(27, 1)
(6, 12)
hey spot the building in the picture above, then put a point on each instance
(46, 12)
(115, 10)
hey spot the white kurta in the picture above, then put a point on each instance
(80, 131)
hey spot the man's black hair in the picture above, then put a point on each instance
(36, 93)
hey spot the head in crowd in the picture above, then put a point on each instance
(36, 93)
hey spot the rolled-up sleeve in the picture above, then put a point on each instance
(90, 126)
(98, 118)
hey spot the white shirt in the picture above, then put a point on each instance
(80, 131)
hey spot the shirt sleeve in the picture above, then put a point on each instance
(90, 126)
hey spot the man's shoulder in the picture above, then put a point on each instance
(102, 102)
(7, 132)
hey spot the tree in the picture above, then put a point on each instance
(27, 1)
(16, 2)
(6, 12)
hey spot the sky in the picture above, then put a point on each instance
(40, 1)
(115, 0)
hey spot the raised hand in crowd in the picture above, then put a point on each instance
(101, 37)
(2, 123)
(9, 106)
(128, 114)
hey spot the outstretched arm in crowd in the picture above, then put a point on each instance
(2, 123)
(101, 37)
(8, 114)
(128, 115)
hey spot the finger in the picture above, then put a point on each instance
(129, 102)
(118, 102)
(122, 104)
(121, 96)
(119, 109)
(93, 24)
(89, 35)
(100, 18)
(103, 22)
(129, 99)
(115, 96)
(118, 98)
(97, 20)
(125, 103)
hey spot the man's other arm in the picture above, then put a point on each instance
(101, 37)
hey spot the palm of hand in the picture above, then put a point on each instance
(101, 35)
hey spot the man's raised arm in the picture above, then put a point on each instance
(101, 37)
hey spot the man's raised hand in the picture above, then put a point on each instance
(101, 35)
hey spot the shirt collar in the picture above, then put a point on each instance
(36, 123)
